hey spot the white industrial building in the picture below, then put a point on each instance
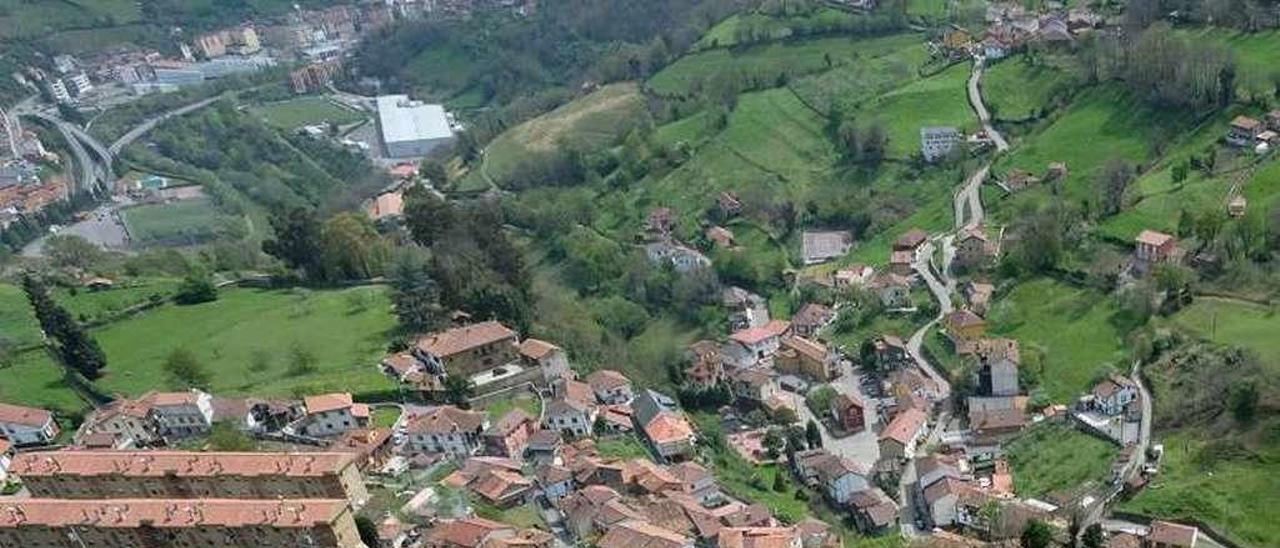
(411, 128)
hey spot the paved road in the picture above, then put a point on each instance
(151, 123)
(970, 197)
(975, 99)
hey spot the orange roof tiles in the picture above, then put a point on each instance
(166, 399)
(179, 463)
(465, 533)
(445, 419)
(26, 416)
(668, 427)
(757, 537)
(641, 534)
(461, 339)
(1153, 238)
(327, 402)
(607, 379)
(169, 513)
(904, 425)
(537, 349)
(755, 335)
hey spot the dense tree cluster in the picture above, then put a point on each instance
(1164, 68)
(75, 348)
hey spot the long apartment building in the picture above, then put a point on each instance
(165, 522)
(187, 474)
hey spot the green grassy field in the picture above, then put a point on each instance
(385, 417)
(939, 100)
(848, 85)
(1050, 457)
(1101, 123)
(187, 222)
(622, 447)
(25, 19)
(725, 34)
(1237, 492)
(90, 306)
(523, 401)
(589, 122)
(766, 62)
(18, 326)
(1072, 326)
(305, 111)
(345, 341)
(1014, 90)
(33, 378)
(1235, 323)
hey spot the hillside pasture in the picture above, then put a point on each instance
(305, 111)
(1052, 457)
(1072, 328)
(27, 19)
(1015, 90)
(590, 122)
(248, 339)
(939, 100)
(849, 85)
(186, 222)
(1237, 323)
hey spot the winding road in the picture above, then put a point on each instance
(150, 124)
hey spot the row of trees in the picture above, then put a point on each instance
(1163, 67)
(73, 345)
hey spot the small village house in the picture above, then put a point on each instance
(753, 384)
(890, 352)
(900, 262)
(664, 425)
(683, 258)
(811, 318)
(1113, 394)
(706, 364)
(372, 446)
(333, 414)
(849, 413)
(805, 357)
(570, 416)
(1151, 247)
(974, 248)
(610, 387)
(839, 477)
(551, 358)
(899, 437)
(937, 143)
(182, 414)
(510, 435)
(638, 533)
(978, 295)
(857, 275)
(758, 537)
(964, 325)
(1244, 131)
(894, 290)
(128, 422)
(729, 204)
(555, 481)
(27, 425)
(911, 241)
(721, 237)
(448, 430)
(874, 512)
(1165, 534)
(755, 345)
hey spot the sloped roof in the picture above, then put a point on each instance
(26, 416)
(537, 349)
(904, 425)
(606, 379)
(754, 335)
(668, 427)
(445, 419)
(1153, 238)
(642, 534)
(327, 402)
(461, 339)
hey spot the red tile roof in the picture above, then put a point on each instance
(464, 533)
(1153, 238)
(26, 416)
(754, 335)
(461, 339)
(327, 402)
(445, 419)
(640, 534)
(1173, 534)
(757, 537)
(169, 513)
(668, 427)
(180, 463)
(537, 349)
(607, 379)
(904, 425)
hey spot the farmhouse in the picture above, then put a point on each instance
(570, 416)
(963, 325)
(333, 414)
(1152, 247)
(706, 364)
(551, 358)
(853, 276)
(1244, 131)
(446, 429)
(894, 290)
(467, 350)
(974, 248)
(912, 241)
(752, 384)
(510, 435)
(1113, 394)
(685, 259)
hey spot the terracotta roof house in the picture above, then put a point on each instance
(753, 515)
(810, 318)
(27, 425)
(544, 446)
(721, 236)
(815, 533)
(570, 416)
(1166, 534)
(510, 435)
(706, 364)
(1244, 131)
(1154, 247)
(371, 446)
(467, 350)
(755, 345)
(873, 511)
(446, 429)
(502, 488)
(898, 439)
(525, 538)
(900, 262)
(551, 358)
(671, 435)
(610, 387)
(753, 384)
(964, 325)
(642, 534)
(979, 294)
(759, 537)
(1113, 394)
(617, 418)
(465, 533)
(849, 413)
(388, 205)
(800, 356)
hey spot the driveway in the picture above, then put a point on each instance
(864, 446)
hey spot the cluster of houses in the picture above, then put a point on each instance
(662, 247)
(1261, 135)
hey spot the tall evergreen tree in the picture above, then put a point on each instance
(74, 346)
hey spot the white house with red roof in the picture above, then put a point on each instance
(181, 414)
(333, 414)
(755, 345)
(26, 425)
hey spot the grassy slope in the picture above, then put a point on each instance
(524, 402)
(17, 323)
(26, 19)
(1235, 323)
(1071, 325)
(725, 33)
(1015, 90)
(34, 379)
(305, 111)
(1238, 494)
(345, 341)
(1102, 123)
(849, 85)
(766, 62)
(1256, 54)
(96, 305)
(936, 101)
(592, 121)
(1051, 457)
